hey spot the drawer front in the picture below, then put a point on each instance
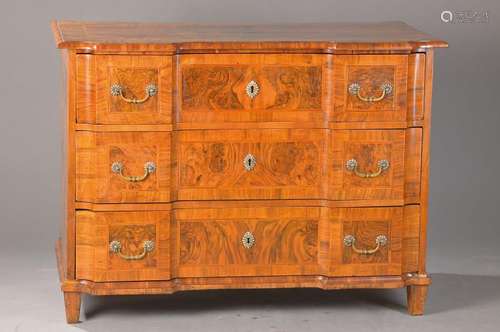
(366, 241)
(122, 246)
(227, 88)
(247, 241)
(119, 89)
(370, 87)
(123, 167)
(367, 165)
(251, 164)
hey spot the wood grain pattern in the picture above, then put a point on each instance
(412, 165)
(416, 296)
(426, 155)
(72, 304)
(96, 230)
(382, 37)
(365, 224)
(411, 238)
(370, 72)
(262, 282)
(253, 282)
(292, 242)
(416, 86)
(131, 238)
(68, 120)
(289, 164)
(365, 233)
(367, 147)
(97, 73)
(97, 151)
(291, 88)
(210, 241)
(223, 87)
(233, 203)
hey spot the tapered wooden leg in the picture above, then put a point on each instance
(416, 296)
(72, 302)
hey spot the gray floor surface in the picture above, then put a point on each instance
(30, 301)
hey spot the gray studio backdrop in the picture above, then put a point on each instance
(464, 223)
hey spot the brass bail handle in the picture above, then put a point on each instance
(352, 165)
(380, 241)
(117, 90)
(118, 167)
(355, 90)
(116, 247)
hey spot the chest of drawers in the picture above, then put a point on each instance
(212, 157)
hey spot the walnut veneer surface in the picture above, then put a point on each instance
(250, 156)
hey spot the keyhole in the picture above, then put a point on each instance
(252, 89)
(249, 162)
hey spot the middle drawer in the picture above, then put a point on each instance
(251, 164)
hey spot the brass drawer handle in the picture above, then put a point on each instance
(117, 90)
(149, 167)
(350, 241)
(252, 89)
(249, 162)
(116, 247)
(248, 240)
(355, 90)
(352, 165)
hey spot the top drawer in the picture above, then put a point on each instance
(252, 88)
(122, 89)
(370, 87)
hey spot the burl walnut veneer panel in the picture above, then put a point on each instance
(371, 73)
(365, 225)
(290, 88)
(98, 152)
(244, 156)
(289, 164)
(97, 75)
(281, 241)
(97, 230)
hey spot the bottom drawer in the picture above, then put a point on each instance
(122, 246)
(366, 241)
(247, 241)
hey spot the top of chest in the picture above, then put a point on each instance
(190, 38)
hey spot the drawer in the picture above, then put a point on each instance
(251, 164)
(367, 165)
(123, 167)
(370, 87)
(247, 241)
(122, 246)
(120, 89)
(271, 87)
(366, 241)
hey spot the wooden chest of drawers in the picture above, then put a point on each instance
(211, 157)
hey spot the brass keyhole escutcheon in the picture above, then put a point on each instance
(252, 89)
(248, 240)
(249, 162)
